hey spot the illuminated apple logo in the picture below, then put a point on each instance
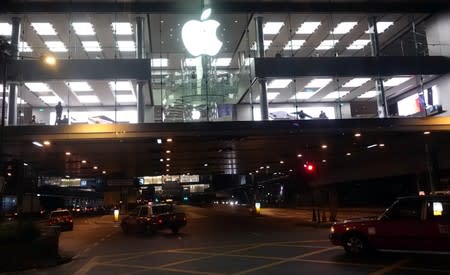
(199, 37)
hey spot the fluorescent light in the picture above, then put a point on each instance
(221, 62)
(126, 46)
(279, 83)
(344, 27)
(44, 28)
(369, 94)
(381, 26)
(91, 46)
(159, 72)
(5, 29)
(79, 86)
(24, 47)
(356, 82)
(270, 96)
(308, 27)
(272, 27)
(336, 94)
(121, 28)
(302, 95)
(327, 44)
(294, 44)
(192, 62)
(20, 101)
(395, 81)
(358, 44)
(37, 143)
(83, 28)
(38, 87)
(371, 146)
(125, 98)
(56, 46)
(160, 62)
(267, 44)
(318, 83)
(121, 85)
(50, 99)
(88, 99)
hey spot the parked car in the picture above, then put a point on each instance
(150, 218)
(419, 223)
(63, 218)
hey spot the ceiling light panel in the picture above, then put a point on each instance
(369, 94)
(395, 81)
(122, 28)
(88, 99)
(294, 44)
(5, 29)
(279, 83)
(308, 28)
(121, 85)
(302, 95)
(53, 99)
(270, 96)
(221, 62)
(24, 47)
(79, 86)
(83, 28)
(336, 94)
(358, 44)
(56, 46)
(272, 27)
(126, 46)
(327, 44)
(160, 62)
(126, 98)
(38, 87)
(267, 44)
(91, 46)
(344, 27)
(20, 101)
(356, 82)
(381, 26)
(44, 28)
(192, 62)
(318, 83)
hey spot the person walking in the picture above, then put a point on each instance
(59, 110)
(323, 115)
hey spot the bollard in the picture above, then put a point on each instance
(116, 215)
(257, 208)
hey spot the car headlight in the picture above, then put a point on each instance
(332, 229)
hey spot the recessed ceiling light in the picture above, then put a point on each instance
(167, 159)
(51, 99)
(103, 172)
(267, 167)
(221, 62)
(318, 83)
(167, 165)
(357, 134)
(95, 167)
(83, 161)
(372, 145)
(25, 164)
(68, 153)
(88, 99)
(24, 47)
(294, 45)
(44, 28)
(324, 146)
(381, 144)
(38, 87)
(37, 143)
(395, 81)
(160, 62)
(279, 83)
(169, 140)
(381, 27)
(262, 167)
(67, 176)
(56, 46)
(83, 28)
(270, 96)
(344, 27)
(161, 160)
(324, 160)
(281, 162)
(369, 94)
(336, 94)
(159, 141)
(121, 85)
(206, 164)
(299, 155)
(308, 27)
(79, 86)
(47, 143)
(122, 28)
(272, 27)
(303, 95)
(358, 44)
(5, 29)
(356, 82)
(267, 44)
(91, 46)
(426, 132)
(125, 98)
(327, 44)
(348, 154)
(126, 46)
(168, 151)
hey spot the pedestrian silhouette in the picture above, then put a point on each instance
(58, 109)
(323, 115)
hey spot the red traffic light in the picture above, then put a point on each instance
(309, 167)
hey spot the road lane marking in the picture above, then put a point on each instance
(390, 267)
(149, 268)
(337, 263)
(87, 267)
(285, 260)
(425, 270)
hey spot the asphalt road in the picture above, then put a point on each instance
(224, 241)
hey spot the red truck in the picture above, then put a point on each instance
(419, 223)
(153, 217)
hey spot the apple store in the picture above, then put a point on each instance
(147, 64)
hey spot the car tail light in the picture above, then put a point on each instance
(160, 221)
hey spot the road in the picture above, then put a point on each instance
(224, 241)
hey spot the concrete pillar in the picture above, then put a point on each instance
(264, 105)
(375, 46)
(12, 103)
(140, 55)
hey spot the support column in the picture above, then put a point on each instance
(12, 102)
(264, 105)
(381, 98)
(432, 166)
(140, 55)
